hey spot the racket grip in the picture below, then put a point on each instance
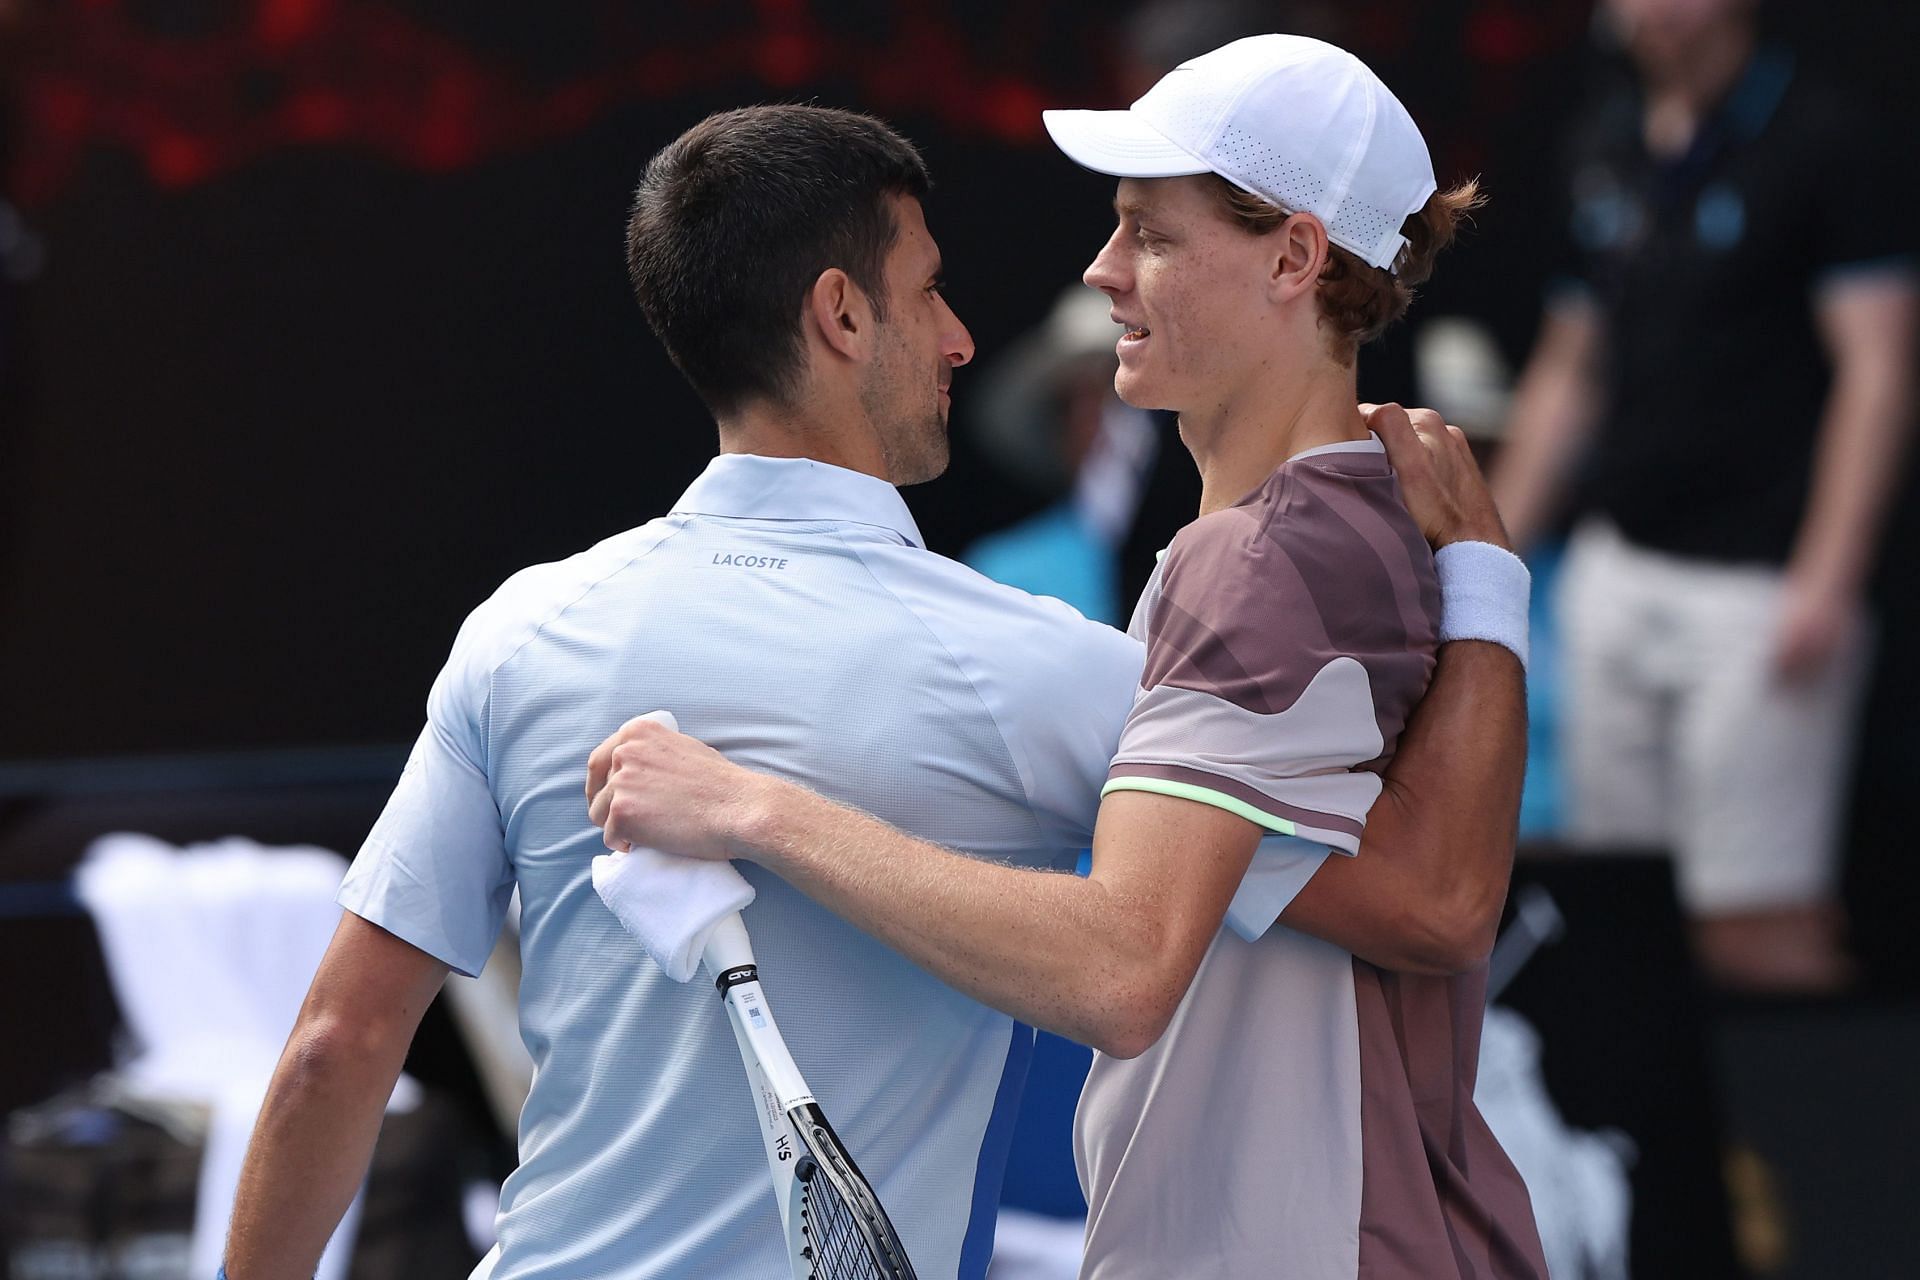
(728, 946)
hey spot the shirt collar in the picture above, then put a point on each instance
(1371, 444)
(1751, 104)
(750, 487)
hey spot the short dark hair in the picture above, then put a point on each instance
(735, 220)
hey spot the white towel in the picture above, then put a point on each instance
(670, 903)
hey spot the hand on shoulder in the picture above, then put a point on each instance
(1444, 490)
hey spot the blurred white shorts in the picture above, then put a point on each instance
(1677, 735)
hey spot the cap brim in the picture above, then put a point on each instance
(1119, 143)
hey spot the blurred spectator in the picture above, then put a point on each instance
(1046, 412)
(1725, 376)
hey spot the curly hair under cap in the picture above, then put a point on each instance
(1358, 301)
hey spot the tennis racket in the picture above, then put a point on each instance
(835, 1227)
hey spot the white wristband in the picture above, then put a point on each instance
(1484, 593)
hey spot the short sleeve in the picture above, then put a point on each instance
(1248, 702)
(1065, 724)
(1587, 209)
(434, 870)
(1863, 220)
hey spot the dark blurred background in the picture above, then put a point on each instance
(328, 329)
(314, 327)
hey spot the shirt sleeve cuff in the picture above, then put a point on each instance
(1340, 833)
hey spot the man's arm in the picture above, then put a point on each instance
(1107, 959)
(1554, 406)
(315, 1135)
(1103, 960)
(1425, 892)
(1868, 325)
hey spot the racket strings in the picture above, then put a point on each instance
(840, 1250)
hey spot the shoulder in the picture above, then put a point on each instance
(993, 631)
(954, 596)
(1331, 536)
(1323, 562)
(514, 615)
(1814, 103)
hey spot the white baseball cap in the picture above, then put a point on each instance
(1298, 122)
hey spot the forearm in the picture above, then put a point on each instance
(1548, 424)
(309, 1153)
(1050, 948)
(1862, 443)
(1425, 892)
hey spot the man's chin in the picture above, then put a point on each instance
(1137, 391)
(930, 465)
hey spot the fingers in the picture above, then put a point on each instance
(1446, 444)
(627, 753)
(604, 762)
(1409, 450)
(1439, 479)
(601, 763)
(1386, 420)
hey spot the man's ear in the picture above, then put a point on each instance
(838, 312)
(1300, 250)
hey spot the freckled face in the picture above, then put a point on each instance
(1191, 290)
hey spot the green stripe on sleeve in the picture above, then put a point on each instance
(1205, 795)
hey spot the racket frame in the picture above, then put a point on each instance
(800, 1144)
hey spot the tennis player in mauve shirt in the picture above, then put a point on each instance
(1306, 833)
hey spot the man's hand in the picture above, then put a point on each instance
(650, 785)
(1442, 484)
(1816, 623)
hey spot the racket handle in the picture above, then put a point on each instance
(728, 946)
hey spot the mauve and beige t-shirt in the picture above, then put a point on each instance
(1306, 1115)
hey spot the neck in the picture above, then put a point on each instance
(1701, 79)
(1237, 445)
(776, 431)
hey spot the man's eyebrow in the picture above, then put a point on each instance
(1132, 207)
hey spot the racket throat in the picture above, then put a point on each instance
(842, 1233)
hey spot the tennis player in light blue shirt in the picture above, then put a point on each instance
(789, 613)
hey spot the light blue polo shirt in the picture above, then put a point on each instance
(786, 612)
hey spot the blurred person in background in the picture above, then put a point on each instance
(1723, 387)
